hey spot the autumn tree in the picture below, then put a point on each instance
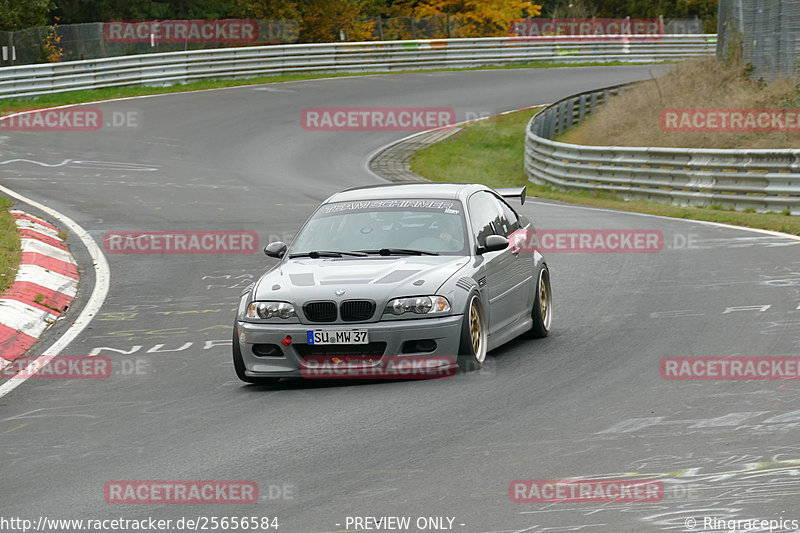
(21, 14)
(569, 8)
(334, 20)
(705, 10)
(479, 18)
(266, 9)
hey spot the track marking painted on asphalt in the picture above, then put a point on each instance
(96, 299)
(15, 428)
(64, 162)
(91, 165)
(756, 308)
(273, 90)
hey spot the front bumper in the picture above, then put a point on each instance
(445, 331)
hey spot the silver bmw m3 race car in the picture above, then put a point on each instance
(427, 275)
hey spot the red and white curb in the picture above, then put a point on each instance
(45, 285)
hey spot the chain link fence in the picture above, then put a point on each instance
(90, 41)
(764, 34)
(435, 27)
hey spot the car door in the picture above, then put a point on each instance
(499, 271)
(522, 269)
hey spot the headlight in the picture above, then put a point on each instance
(421, 305)
(266, 310)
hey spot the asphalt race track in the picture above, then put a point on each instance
(588, 401)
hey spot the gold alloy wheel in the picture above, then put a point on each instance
(543, 299)
(476, 330)
(545, 304)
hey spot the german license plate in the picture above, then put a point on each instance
(341, 336)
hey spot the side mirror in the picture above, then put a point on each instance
(494, 243)
(275, 249)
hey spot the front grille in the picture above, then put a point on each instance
(374, 349)
(320, 311)
(357, 310)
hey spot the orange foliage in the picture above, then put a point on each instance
(479, 18)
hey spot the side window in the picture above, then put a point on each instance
(485, 216)
(510, 217)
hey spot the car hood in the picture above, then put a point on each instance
(374, 278)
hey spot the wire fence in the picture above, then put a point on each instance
(94, 40)
(765, 34)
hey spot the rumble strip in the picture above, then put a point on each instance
(46, 283)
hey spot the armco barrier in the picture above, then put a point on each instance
(248, 62)
(766, 180)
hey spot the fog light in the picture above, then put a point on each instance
(267, 350)
(419, 346)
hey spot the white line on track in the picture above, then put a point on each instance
(673, 219)
(96, 299)
(64, 162)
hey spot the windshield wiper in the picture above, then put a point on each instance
(398, 251)
(316, 254)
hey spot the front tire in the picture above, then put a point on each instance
(238, 364)
(472, 349)
(542, 312)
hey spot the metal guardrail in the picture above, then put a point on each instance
(182, 67)
(765, 180)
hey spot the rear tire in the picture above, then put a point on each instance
(238, 364)
(542, 312)
(472, 348)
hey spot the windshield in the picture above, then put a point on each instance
(428, 225)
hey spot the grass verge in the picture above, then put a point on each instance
(93, 95)
(10, 249)
(633, 118)
(491, 152)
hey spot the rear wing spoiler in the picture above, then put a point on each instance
(513, 192)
